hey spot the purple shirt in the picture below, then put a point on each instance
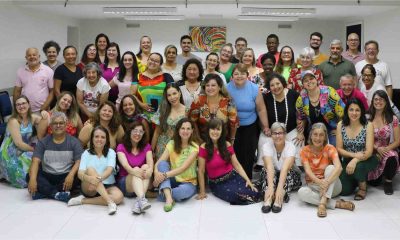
(134, 160)
(355, 94)
(108, 75)
(35, 85)
(354, 59)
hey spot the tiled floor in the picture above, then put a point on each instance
(377, 217)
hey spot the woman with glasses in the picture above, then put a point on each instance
(151, 84)
(18, 144)
(286, 62)
(89, 55)
(318, 103)
(386, 142)
(306, 61)
(212, 66)
(355, 142)
(225, 66)
(280, 174)
(136, 161)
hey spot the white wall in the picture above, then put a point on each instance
(20, 29)
(169, 32)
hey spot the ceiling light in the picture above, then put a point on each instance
(267, 18)
(154, 17)
(278, 11)
(140, 10)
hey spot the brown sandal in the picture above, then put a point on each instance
(321, 210)
(360, 194)
(347, 205)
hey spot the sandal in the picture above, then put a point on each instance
(321, 210)
(360, 194)
(348, 205)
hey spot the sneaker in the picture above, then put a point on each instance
(144, 204)
(75, 201)
(388, 188)
(112, 208)
(136, 207)
(37, 196)
(62, 196)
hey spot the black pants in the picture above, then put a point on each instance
(49, 184)
(388, 172)
(245, 146)
(396, 98)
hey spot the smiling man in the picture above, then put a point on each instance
(336, 66)
(352, 54)
(186, 46)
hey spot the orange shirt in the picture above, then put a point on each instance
(318, 161)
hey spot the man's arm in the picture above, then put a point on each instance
(16, 93)
(49, 99)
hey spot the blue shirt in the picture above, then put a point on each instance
(245, 101)
(99, 164)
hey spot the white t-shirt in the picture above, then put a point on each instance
(383, 76)
(222, 76)
(91, 95)
(269, 150)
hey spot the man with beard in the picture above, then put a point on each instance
(315, 43)
(240, 46)
(272, 46)
(336, 66)
(186, 46)
(383, 77)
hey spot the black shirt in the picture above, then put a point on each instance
(68, 79)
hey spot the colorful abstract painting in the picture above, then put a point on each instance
(207, 39)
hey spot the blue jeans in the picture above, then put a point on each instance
(180, 190)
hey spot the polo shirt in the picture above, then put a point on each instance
(331, 73)
(353, 58)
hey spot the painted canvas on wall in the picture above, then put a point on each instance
(207, 39)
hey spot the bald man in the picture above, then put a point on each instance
(352, 54)
(35, 81)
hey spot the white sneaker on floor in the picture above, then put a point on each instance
(136, 207)
(144, 204)
(75, 201)
(112, 208)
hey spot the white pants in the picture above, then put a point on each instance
(310, 193)
(289, 137)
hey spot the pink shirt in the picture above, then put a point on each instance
(216, 167)
(355, 94)
(35, 85)
(259, 63)
(354, 59)
(134, 160)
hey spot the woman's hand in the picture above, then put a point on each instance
(359, 155)
(138, 172)
(351, 166)
(267, 132)
(324, 185)
(44, 115)
(251, 186)
(382, 151)
(158, 178)
(93, 180)
(201, 196)
(299, 139)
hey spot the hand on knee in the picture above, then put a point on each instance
(91, 171)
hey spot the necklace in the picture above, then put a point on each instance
(278, 154)
(286, 107)
(191, 90)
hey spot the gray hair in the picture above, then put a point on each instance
(336, 42)
(56, 115)
(318, 126)
(346, 76)
(93, 66)
(278, 125)
(307, 51)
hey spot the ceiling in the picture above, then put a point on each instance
(208, 9)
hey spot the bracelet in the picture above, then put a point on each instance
(232, 138)
(165, 175)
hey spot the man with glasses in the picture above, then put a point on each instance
(55, 163)
(383, 77)
(186, 46)
(35, 81)
(352, 54)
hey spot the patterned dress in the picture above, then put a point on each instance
(15, 163)
(382, 139)
(295, 78)
(165, 136)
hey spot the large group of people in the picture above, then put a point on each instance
(136, 125)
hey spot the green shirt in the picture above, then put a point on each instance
(332, 73)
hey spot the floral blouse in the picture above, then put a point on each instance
(295, 78)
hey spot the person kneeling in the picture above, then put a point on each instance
(96, 171)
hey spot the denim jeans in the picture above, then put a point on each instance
(180, 190)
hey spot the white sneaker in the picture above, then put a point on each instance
(136, 207)
(144, 204)
(75, 201)
(112, 208)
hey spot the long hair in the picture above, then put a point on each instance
(123, 70)
(113, 44)
(97, 39)
(318, 125)
(213, 54)
(279, 64)
(15, 114)
(387, 113)
(346, 118)
(199, 66)
(127, 141)
(72, 112)
(106, 146)
(177, 138)
(217, 123)
(84, 58)
(126, 120)
(217, 78)
(114, 122)
(253, 61)
(165, 106)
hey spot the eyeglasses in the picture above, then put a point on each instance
(137, 132)
(154, 61)
(368, 75)
(21, 104)
(58, 123)
(276, 134)
(379, 99)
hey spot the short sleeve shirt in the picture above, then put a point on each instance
(100, 164)
(134, 160)
(269, 150)
(91, 95)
